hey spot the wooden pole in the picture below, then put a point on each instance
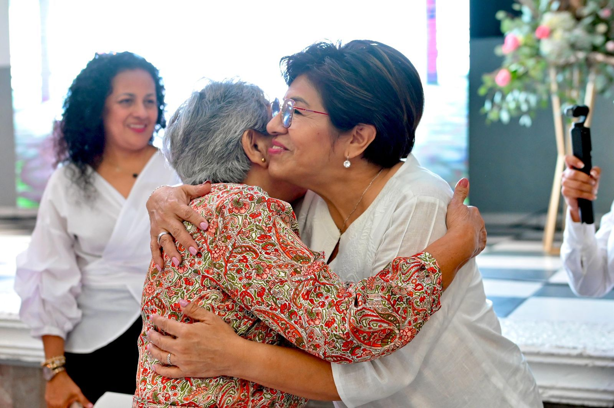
(589, 97)
(555, 195)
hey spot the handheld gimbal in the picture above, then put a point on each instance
(581, 145)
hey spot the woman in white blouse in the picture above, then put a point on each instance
(348, 119)
(82, 276)
(588, 256)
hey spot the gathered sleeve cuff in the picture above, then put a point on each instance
(260, 262)
(588, 256)
(48, 278)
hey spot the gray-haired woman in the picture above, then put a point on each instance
(251, 269)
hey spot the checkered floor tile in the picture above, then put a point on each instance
(523, 283)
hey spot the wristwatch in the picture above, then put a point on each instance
(53, 366)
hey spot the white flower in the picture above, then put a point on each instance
(601, 28)
(558, 35)
(555, 50)
(562, 20)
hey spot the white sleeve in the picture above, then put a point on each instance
(48, 277)
(588, 257)
(419, 222)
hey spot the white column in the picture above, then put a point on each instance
(7, 141)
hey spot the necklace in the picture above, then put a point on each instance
(360, 200)
(119, 169)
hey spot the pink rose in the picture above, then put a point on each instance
(609, 46)
(542, 32)
(510, 44)
(503, 77)
(605, 13)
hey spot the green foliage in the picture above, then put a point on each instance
(540, 37)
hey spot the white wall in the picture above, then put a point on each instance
(4, 33)
(7, 139)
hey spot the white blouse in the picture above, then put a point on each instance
(459, 358)
(82, 276)
(588, 257)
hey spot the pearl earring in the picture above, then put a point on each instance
(347, 163)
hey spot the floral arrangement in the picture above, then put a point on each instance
(551, 46)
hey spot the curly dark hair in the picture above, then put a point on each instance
(79, 137)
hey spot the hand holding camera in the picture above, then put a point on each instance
(580, 180)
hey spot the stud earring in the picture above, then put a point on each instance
(263, 159)
(347, 163)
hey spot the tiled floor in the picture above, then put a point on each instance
(525, 284)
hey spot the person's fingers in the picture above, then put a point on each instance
(572, 194)
(168, 371)
(157, 353)
(195, 312)
(179, 234)
(156, 255)
(170, 249)
(573, 184)
(596, 173)
(178, 229)
(161, 341)
(461, 191)
(187, 213)
(573, 162)
(579, 176)
(480, 226)
(477, 215)
(198, 190)
(84, 401)
(574, 187)
(169, 326)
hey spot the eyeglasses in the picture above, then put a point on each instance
(287, 111)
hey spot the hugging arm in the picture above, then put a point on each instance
(196, 354)
(258, 260)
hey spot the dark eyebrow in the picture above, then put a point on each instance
(301, 100)
(133, 95)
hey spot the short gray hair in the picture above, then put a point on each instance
(203, 138)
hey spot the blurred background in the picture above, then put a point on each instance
(50, 42)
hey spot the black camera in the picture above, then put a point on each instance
(581, 146)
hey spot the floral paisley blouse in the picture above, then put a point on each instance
(255, 273)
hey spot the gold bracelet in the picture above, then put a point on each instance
(58, 370)
(54, 362)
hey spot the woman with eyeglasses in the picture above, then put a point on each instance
(252, 270)
(348, 119)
